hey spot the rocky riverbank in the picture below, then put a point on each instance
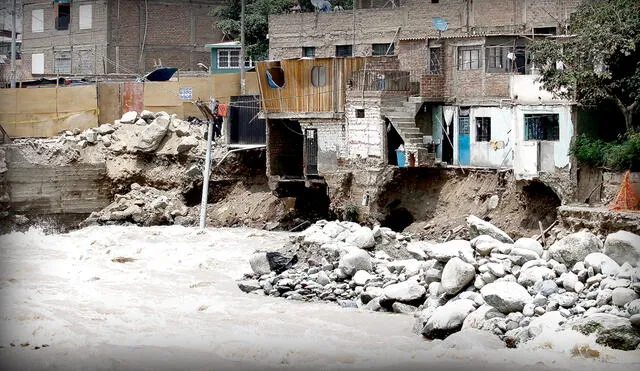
(514, 290)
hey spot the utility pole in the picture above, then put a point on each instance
(242, 58)
(13, 46)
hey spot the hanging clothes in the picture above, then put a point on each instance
(223, 109)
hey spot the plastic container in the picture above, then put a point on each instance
(402, 158)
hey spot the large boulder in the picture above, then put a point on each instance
(479, 227)
(505, 296)
(622, 295)
(622, 247)
(529, 244)
(448, 318)
(574, 248)
(610, 330)
(355, 260)
(362, 238)
(406, 291)
(456, 275)
(450, 249)
(601, 263)
(153, 134)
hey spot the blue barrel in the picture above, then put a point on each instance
(402, 158)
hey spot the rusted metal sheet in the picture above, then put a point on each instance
(133, 97)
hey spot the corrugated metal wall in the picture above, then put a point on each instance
(245, 126)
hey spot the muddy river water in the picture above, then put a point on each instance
(157, 298)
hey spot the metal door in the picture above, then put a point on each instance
(311, 151)
(464, 150)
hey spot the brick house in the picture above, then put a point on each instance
(472, 97)
(95, 37)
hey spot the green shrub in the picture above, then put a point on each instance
(350, 212)
(619, 155)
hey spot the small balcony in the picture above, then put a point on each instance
(381, 80)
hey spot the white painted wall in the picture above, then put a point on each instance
(527, 89)
(496, 152)
(365, 136)
(534, 156)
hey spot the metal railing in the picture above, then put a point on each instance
(378, 80)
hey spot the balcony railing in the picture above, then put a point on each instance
(381, 80)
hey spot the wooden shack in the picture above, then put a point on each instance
(307, 85)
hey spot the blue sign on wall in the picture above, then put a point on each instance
(186, 93)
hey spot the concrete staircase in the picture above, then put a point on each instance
(401, 112)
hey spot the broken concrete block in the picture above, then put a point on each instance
(90, 136)
(141, 122)
(147, 115)
(105, 129)
(129, 117)
(152, 135)
(186, 143)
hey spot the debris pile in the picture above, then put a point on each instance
(143, 132)
(145, 206)
(513, 289)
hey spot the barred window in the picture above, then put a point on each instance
(381, 49)
(483, 129)
(542, 126)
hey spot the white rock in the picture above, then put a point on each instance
(147, 115)
(105, 129)
(524, 255)
(575, 247)
(448, 318)
(456, 275)
(622, 247)
(622, 295)
(416, 252)
(186, 144)
(484, 244)
(634, 307)
(355, 260)
(129, 117)
(259, 263)
(506, 297)
(152, 135)
(570, 281)
(534, 274)
(333, 229)
(529, 244)
(601, 263)
(450, 249)
(404, 291)
(322, 278)
(91, 136)
(478, 317)
(479, 227)
(362, 277)
(410, 267)
(362, 238)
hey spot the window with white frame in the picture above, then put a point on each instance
(37, 20)
(230, 58)
(86, 14)
(468, 58)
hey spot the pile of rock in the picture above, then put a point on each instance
(514, 289)
(147, 133)
(145, 206)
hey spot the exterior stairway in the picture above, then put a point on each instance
(401, 113)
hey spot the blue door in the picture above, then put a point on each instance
(464, 155)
